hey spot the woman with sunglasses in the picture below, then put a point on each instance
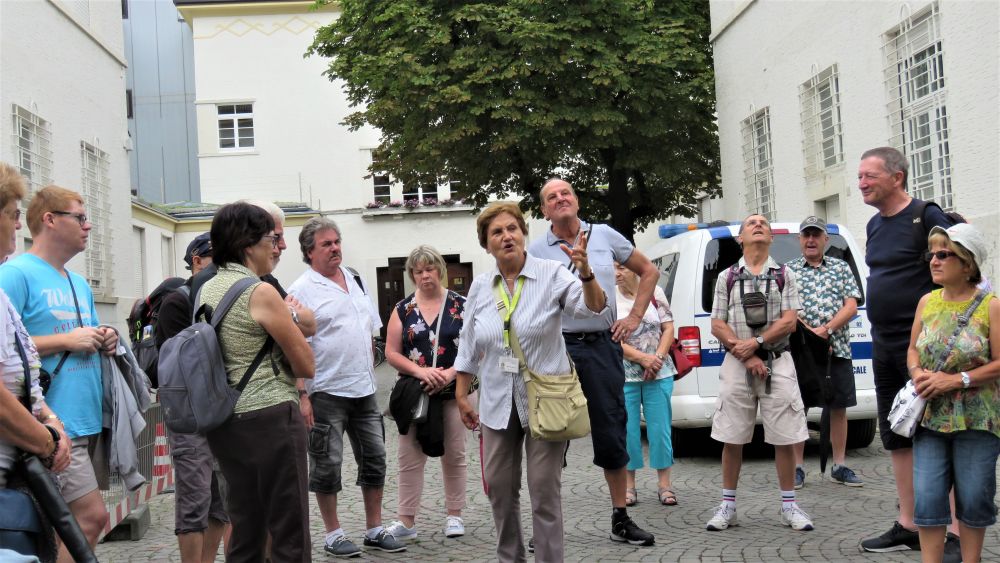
(958, 441)
(261, 449)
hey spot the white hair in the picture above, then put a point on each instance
(272, 209)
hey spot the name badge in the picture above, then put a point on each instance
(509, 364)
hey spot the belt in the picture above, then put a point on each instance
(584, 336)
(769, 355)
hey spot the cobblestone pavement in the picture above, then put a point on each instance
(842, 515)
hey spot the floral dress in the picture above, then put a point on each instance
(418, 337)
(975, 408)
(647, 335)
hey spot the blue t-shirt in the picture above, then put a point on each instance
(605, 246)
(897, 276)
(43, 298)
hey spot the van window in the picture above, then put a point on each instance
(667, 265)
(721, 253)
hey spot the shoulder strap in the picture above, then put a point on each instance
(226, 303)
(26, 397)
(185, 290)
(963, 320)
(731, 274)
(920, 230)
(779, 277)
(79, 319)
(357, 278)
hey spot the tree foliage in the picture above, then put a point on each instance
(616, 96)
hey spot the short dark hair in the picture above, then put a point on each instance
(307, 236)
(892, 160)
(236, 227)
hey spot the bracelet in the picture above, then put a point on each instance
(586, 279)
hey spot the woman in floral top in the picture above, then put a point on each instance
(649, 382)
(431, 311)
(958, 441)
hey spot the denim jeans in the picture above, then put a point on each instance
(966, 459)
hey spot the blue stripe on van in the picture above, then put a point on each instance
(720, 232)
(713, 358)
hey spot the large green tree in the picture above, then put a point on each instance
(616, 96)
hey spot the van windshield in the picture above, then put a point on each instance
(721, 253)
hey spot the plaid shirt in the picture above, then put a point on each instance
(824, 290)
(728, 306)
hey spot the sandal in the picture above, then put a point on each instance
(631, 497)
(667, 496)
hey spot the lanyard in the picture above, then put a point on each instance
(510, 306)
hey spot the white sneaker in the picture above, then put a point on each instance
(401, 532)
(724, 518)
(454, 527)
(796, 518)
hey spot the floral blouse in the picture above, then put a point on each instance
(647, 335)
(975, 408)
(418, 337)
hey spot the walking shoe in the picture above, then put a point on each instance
(725, 517)
(342, 547)
(897, 538)
(625, 530)
(796, 518)
(453, 527)
(843, 475)
(800, 477)
(952, 549)
(385, 541)
(531, 545)
(401, 532)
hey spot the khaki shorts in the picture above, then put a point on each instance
(782, 411)
(79, 479)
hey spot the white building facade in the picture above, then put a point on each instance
(62, 93)
(804, 88)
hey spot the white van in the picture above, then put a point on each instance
(690, 258)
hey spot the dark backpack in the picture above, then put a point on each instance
(194, 386)
(734, 272)
(920, 230)
(357, 278)
(145, 313)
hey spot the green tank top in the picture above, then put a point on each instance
(241, 338)
(975, 408)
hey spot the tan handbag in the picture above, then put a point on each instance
(557, 408)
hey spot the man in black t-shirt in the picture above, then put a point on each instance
(897, 279)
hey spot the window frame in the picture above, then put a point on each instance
(822, 123)
(237, 128)
(758, 163)
(95, 188)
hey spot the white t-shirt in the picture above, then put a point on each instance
(12, 370)
(342, 345)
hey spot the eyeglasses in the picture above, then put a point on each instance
(275, 239)
(941, 255)
(80, 217)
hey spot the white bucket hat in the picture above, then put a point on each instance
(969, 237)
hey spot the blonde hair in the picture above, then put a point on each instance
(12, 185)
(428, 256)
(491, 212)
(48, 199)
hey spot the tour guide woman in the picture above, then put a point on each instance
(536, 292)
(958, 440)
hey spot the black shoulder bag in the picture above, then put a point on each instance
(45, 490)
(44, 377)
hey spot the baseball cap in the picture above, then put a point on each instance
(969, 237)
(812, 222)
(200, 246)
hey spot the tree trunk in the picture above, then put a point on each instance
(620, 203)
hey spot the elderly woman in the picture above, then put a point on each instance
(649, 382)
(262, 448)
(39, 431)
(958, 440)
(422, 343)
(537, 292)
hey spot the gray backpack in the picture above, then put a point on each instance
(194, 388)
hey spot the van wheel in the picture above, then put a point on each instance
(860, 433)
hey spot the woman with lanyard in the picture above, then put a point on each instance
(534, 293)
(422, 342)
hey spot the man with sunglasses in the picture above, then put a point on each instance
(57, 307)
(897, 279)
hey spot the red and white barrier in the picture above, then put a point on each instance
(162, 478)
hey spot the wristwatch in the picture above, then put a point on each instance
(295, 315)
(760, 341)
(966, 380)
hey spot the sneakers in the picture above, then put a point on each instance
(725, 517)
(401, 532)
(342, 547)
(952, 549)
(796, 518)
(453, 527)
(385, 541)
(531, 545)
(625, 530)
(897, 538)
(843, 475)
(800, 477)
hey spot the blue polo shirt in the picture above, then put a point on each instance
(605, 246)
(44, 299)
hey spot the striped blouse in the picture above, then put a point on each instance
(549, 290)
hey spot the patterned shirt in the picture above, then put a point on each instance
(418, 336)
(823, 290)
(647, 335)
(975, 408)
(549, 291)
(729, 307)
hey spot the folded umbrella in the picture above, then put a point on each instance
(811, 355)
